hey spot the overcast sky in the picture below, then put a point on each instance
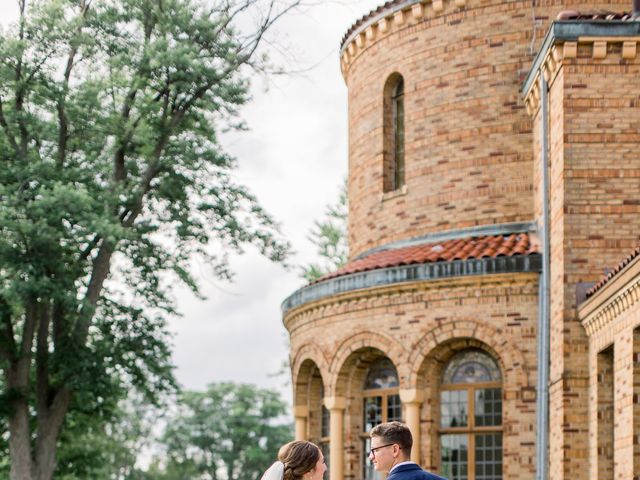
(293, 158)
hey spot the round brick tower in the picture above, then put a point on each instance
(433, 320)
(468, 145)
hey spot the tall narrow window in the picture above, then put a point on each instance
(393, 151)
(471, 418)
(381, 404)
(398, 143)
(605, 413)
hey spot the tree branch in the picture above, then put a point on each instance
(63, 132)
(99, 273)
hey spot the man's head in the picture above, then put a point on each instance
(390, 444)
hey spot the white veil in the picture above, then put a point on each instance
(274, 472)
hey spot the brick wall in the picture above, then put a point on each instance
(468, 139)
(418, 327)
(594, 130)
(612, 320)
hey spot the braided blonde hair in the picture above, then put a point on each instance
(299, 457)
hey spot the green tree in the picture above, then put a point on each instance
(228, 432)
(112, 182)
(329, 235)
(106, 448)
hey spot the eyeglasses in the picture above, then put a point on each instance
(372, 452)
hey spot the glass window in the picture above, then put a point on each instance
(381, 403)
(398, 120)
(471, 445)
(381, 374)
(393, 134)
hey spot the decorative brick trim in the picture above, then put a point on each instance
(614, 298)
(410, 273)
(561, 45)
(511, 359)
(603, 308)
(338, 369)
(308, 351)
(388, 21)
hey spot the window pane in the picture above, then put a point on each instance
(399, 142)
(394, 408)
(372, 412)
(382, 374)
(488, 408)
(489, 456)
(454, 456)
(453, 408)
(471, 366)
(369, 472)
(325, 422)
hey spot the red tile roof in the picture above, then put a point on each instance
(444, 251)
(607, 278)
(593, 15)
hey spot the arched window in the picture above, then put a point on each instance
(393, 134)
(471, 418)
(381, 404)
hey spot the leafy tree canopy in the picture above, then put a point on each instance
(228, 432)
(113, 181)
(329, 235)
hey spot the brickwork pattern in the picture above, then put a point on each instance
(612, 320)
(418, 327)
(594, 129)
(468, 138)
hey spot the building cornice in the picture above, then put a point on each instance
(412, 273)
(615, 298)
(561, 43)
(385, 20)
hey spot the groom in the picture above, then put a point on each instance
(391, 450)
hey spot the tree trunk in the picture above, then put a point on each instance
(49, 425)
(19, 443)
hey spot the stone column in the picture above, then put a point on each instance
(336, 406)
(301, 414)
(412, 400)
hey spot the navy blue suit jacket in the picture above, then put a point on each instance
(412, 471)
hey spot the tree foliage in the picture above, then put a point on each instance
(112, 181)
(329, 235)
(228, 432)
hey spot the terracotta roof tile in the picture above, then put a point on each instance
(607, 278)
(593, 15)
(445, 251)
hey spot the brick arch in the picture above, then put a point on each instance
(351, 349)
(468, 333)
(305, 359)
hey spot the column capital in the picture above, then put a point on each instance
(411, 395)
(335, 403)
(300, 411)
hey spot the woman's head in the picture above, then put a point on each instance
(302, 461)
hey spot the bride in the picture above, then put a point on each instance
(297, 460)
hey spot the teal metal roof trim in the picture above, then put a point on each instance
(411, 273)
